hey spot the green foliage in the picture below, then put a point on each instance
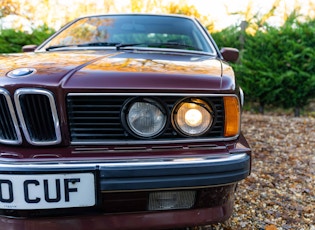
(12, 41)
(277, 65)
(41, 34)
(229, 37)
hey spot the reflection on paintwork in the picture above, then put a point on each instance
(55, 66)
(209, 67)
(44, 63)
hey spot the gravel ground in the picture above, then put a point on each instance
(280, 192)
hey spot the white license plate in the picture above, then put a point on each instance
(47, 191)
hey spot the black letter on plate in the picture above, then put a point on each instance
(10, 199)
(58, 197)
(67, 189)
(26, 192)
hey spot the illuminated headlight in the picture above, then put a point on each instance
(145, 117)
(193, 117)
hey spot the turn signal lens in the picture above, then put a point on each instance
(232, 116)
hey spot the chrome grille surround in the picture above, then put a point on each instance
(36, 109)
(9, 128)
(94, 118)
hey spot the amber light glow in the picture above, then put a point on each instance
(232, 116)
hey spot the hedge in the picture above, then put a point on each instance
(277, 65)
(12, 41)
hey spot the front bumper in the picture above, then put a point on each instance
(148, 174)
(125, 221)
(123, 188)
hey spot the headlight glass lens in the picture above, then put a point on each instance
(146, 118)
(193, 117)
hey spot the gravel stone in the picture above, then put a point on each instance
(280, 192)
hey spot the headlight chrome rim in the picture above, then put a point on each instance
(193, 117)
(153, 112)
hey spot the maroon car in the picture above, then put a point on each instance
(125, 121)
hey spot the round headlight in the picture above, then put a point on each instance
(145, 118)
(193, 117)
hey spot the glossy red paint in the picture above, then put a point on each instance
(126, 168)
(210, 208)
(133, 221)
(107, 71)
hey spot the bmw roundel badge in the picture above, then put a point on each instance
(21, 72)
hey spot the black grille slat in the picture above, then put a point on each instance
(7, 128)
(96, 118)
(38, 117)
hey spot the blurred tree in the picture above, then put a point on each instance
(8, 7)
(183, 8)
(261, 65)
(228, 37)
(136, 5)
(171, 7)
(146, 5)
(254, 19)
(108, 5)
(297, 74)
(190, 10)
(12, 41)
(277, 65)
